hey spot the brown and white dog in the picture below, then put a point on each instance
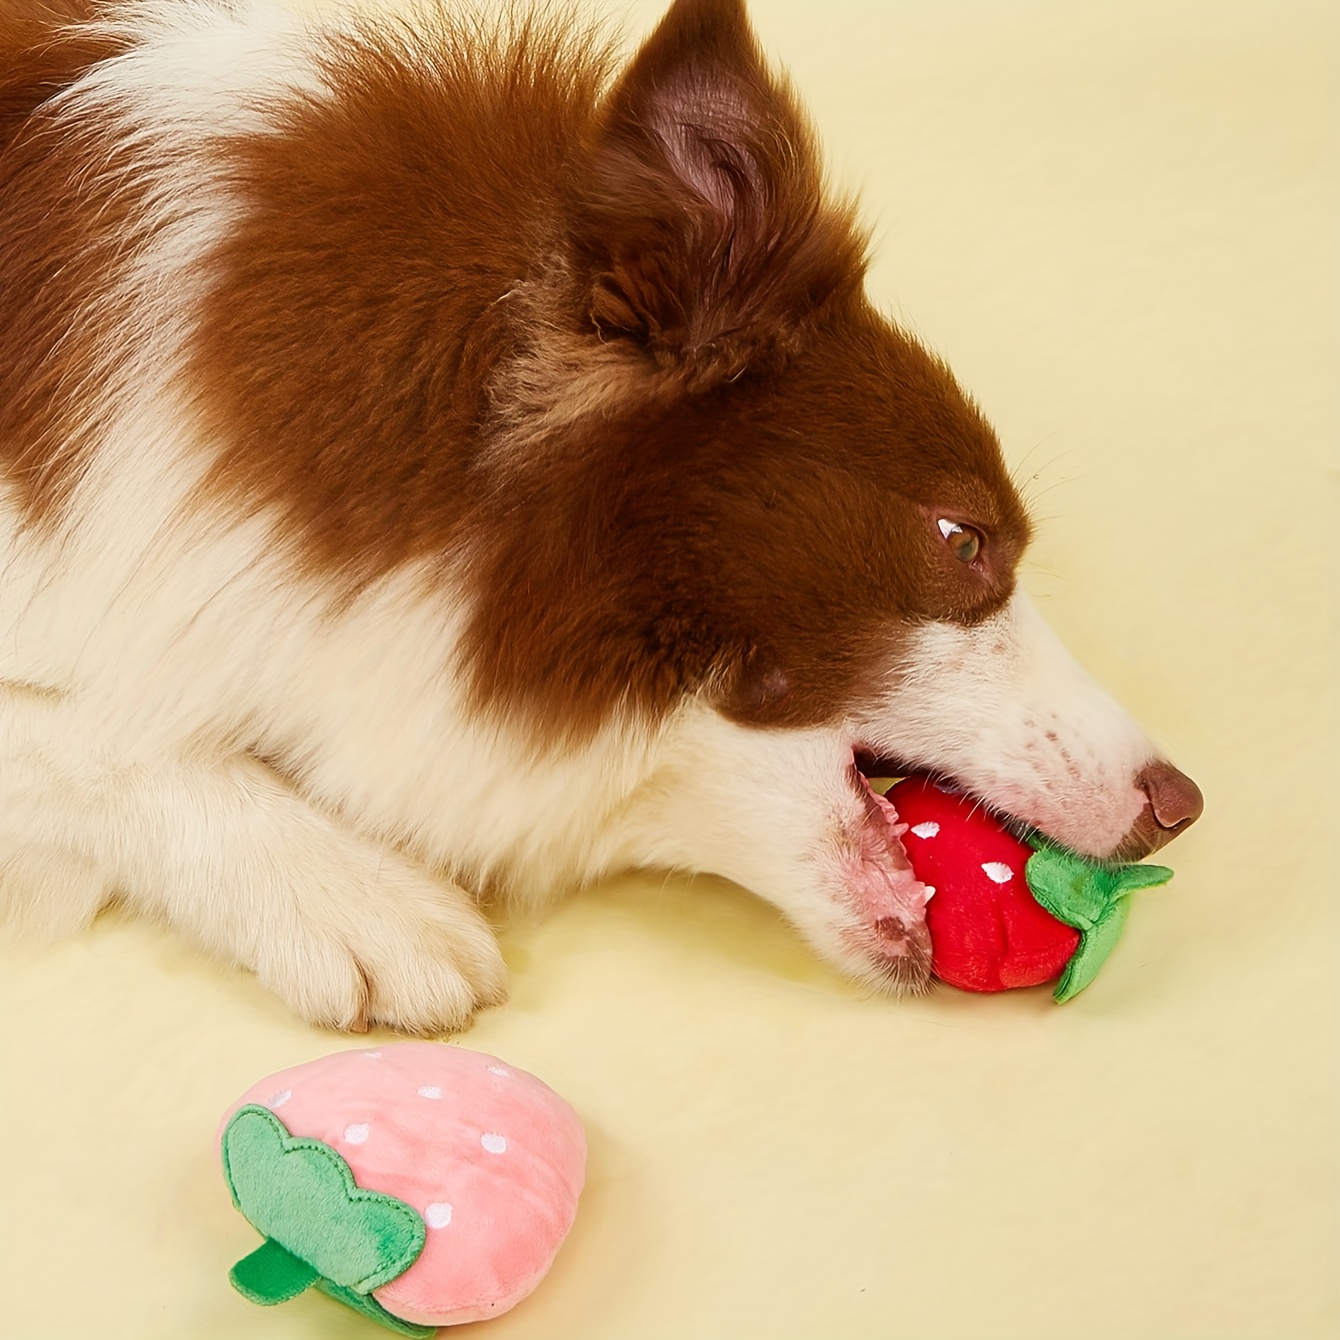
(435, 467)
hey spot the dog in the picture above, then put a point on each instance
(440, 466)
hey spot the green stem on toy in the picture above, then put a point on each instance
(1092, 897)
(271, 1275)
(370, 1307)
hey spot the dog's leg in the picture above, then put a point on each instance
(348, 932)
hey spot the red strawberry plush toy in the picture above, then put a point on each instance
(1010, 911)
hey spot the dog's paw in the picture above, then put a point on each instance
(394, 948)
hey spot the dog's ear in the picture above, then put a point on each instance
(698, 219)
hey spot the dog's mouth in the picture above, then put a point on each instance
(879, 772)
(888, 898)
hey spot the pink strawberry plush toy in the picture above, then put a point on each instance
(417, 1183)
(1010, 911)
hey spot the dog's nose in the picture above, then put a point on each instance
(1175, 799)
(1174, 804)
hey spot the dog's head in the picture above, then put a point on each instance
(757, 513)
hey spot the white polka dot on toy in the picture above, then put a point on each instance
(280, 1099)
(495, 1144)
(438, 1214)
(927, 830)
(357, 1133)
(998, 872)
(429, 1091)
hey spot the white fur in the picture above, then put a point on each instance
(1002, 707)
(301, 787)
(777, 811)
(196, 71)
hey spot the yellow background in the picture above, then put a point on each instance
(1119, 221)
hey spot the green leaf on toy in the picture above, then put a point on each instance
(320, 1226)
(1132, 877)
(1091, 897)
(1094, 946)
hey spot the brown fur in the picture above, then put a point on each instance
(67, 213)
(417, 251)
(610, 354)
(42, 51)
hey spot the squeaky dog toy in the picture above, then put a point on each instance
(418, 1183)
(1010, 911)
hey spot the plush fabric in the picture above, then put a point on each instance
(987, 931)
(1009, 911)
(489, 1161)
(320, 1227)
(302, 1195)
(1094, 899)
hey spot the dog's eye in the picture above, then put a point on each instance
(965, 543)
